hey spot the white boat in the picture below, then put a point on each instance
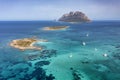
(83, 43)
(87, 34)
(105, 55)
(96, 49)
(70, 55)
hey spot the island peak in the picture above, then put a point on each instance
(74, 17)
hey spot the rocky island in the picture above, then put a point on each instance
(74, 17)
(26, 43)
(55, 28)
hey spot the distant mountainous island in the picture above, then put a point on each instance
(74, 17)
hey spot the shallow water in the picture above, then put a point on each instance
(64, 55)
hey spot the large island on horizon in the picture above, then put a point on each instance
(74, 17)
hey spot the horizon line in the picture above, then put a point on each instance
(59, 21)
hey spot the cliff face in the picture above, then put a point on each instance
(74, 17)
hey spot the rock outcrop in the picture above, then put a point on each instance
(26, 43)
(53, 28)
(74, 17)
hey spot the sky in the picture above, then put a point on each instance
(54, 9)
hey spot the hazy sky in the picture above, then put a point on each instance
(53, 9)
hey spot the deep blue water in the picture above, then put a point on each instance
(103, 36)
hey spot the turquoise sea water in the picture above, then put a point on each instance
(64, 56)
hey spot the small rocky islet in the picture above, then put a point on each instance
(54, 28)
(26, 43)
(74, 17)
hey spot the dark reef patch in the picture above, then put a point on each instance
(116, 55)
(41, 63)
(117, 46)
(48, 53)
(38, 74)
(76, 74)
(41, 55)
(26, 70)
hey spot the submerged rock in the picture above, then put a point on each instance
(76, 74)
(29, 64)
(42, 55)
(48, 53)
(116, 55)
(40, 74)
(85, 62)
(50, 77)
(101, 67)
(118, 46)
(41, 63)
(71, 68)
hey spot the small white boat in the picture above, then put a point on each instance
(105, 55)
(70, 55)
(87, 34)
(96, 49)
(83, 43)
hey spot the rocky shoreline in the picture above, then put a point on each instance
(26, 43)
(74, 17)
